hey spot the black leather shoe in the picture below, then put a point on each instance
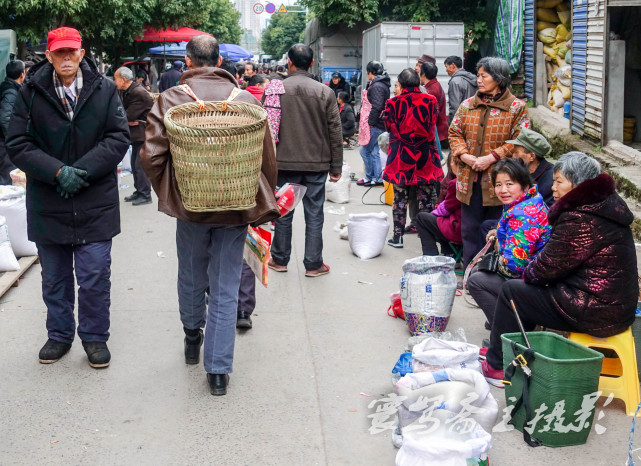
(487, 325)
(133, 197)
(141, 200)
(97, 353)
(192, 348)
(52, 351)
(243, 320)
(218, 384)
(485, 343)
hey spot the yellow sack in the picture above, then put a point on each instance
(560, 61)
(545, 14)
(565, 17)
(549, 51)
(548, 3)
(565, 90)
(547, 36)
(561, 52)
(540, 25)
(563, 7)
(561, 33)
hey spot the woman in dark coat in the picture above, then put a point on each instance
(413, 158)
(585, 278)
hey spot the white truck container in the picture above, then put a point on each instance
(398, 46)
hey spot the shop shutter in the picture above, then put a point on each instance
(529, 49)
(579, 52)
(595, 70)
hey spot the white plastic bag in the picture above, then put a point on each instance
(8, 261)
(338, 192)
(367, 233)
(433, 354)
(13, 208)
(428, 287)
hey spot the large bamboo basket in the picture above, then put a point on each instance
(217, 153)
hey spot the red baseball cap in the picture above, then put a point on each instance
(63, 38)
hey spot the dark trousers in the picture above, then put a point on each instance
(430, 234)
(314, 218)
(535, 307)
(484, 288)
(247, 290)
(93, 272)
(426, 195)
(141, 182)
(471, 218)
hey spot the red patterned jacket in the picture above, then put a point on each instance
(412, 158)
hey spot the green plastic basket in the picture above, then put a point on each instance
(562, 372)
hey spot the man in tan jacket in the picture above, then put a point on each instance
(210, 245)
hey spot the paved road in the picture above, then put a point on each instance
(301, 375)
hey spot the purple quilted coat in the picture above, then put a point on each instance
(590, 263)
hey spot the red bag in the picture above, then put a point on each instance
(396, 309)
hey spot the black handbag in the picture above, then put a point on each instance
(489, 262)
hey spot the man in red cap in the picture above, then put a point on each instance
(68, 134)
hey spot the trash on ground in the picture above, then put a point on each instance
(335, 210)
(161, 254)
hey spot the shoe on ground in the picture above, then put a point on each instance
(485, 343)
(396, 242)
(218, 384)
(487, 325)
(377, 183)
(52, 351)
(323, 270)
(363, 182)
(411, 229)
(192, 348)
(276, 267)
(133, 197)
(243, 320)
(493, 376)
(141, 200)
(97, 353)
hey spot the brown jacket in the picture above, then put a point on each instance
(209, 84)
(137, 102)
(480, 129)
(311, 136)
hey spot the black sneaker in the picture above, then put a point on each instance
(396, 242)
(192, 348)
(97, 353)
(52, 351)
(243, 320)
(133, 197)
(218, 384)
(141, 200)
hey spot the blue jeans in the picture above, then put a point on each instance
(314, 217)
(93, 272)
(210, 260)
(371, 156)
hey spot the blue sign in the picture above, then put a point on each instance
(270, 8)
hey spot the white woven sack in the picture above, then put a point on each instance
(8, 261)
(338, 192)
(13, 208)
(367, 233)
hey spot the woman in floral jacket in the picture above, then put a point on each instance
(521, 233)
(478, 138)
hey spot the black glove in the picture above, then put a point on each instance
(70, 181)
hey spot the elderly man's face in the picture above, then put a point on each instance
(65, 61)
(119, 80)
(249, 70)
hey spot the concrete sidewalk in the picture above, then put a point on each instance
(302, 377)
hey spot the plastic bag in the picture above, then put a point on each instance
(367, 233)
(402, 367)
(288, 197)
(434, 354)
(338, 192)
(458, 335)
(14, 209)
(8, 261)
(256, 254)
(18, 178)
(564, 75)
(428, 287)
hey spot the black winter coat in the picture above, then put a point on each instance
(378, 92)
(348, 120)
(590, 263)
(42, 139)
(342, 86)
(169, 79)
(8, 93)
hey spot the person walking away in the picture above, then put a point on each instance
(478, 139)
(348, 120)
(137, 102)
(209, 244)
(9, 90)
(378, 91)
(310, 146)
(462, 84)
(413, 158)
(170, 78)
(68, 134)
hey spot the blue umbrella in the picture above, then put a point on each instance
(231, 51)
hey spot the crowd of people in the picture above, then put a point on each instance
(557, 237)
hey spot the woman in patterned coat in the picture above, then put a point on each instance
(413, 158)
(478, 136)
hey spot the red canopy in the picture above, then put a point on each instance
(169, 35)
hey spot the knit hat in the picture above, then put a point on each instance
(532, 142)
(426, 58)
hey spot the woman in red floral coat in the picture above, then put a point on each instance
(413, 158)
